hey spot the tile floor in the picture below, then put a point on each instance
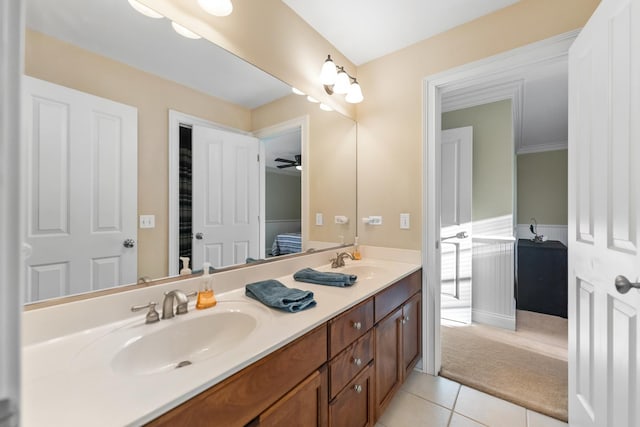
(428, 401)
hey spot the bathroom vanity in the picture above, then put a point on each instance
(338, 364)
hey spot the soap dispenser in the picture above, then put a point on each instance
(206, 298)
(356, 249)
(185, 266)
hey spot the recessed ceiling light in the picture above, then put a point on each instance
(297, 91)
(184, 32)
(312, 99)
(217, 7)
(145, 10)
(325, 107)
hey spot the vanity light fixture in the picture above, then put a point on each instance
(336, 80)
(145, 10)
(216, 7)
(184, 32)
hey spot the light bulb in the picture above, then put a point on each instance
(216, 7)
(145, 10)
(297, 91)
(299, 167)
(342, 83)
(325, 107)
(312, 99)
(184, 32)
(354, 95)
(328, 74)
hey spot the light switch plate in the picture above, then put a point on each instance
(319, 219)
(405, 221)
(147, 221)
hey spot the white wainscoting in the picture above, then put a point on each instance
(279, 226)
(549, 231)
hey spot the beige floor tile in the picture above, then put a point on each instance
(458, 420)
(408, 410)
(434, 389)
(489, 410)
(535, 419)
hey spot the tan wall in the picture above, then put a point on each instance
(64, 64)
(390, 118)
(542, 187)
(493, 156)
(331, 159)
(268, 34)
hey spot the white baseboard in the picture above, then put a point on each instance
(494, 319)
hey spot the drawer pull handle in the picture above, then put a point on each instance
(357, 388)
(405, 319)
(357, 361)
(357, 325)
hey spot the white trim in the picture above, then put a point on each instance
(301, 122)
(176, 118)
(11, 220)
(495, 68)
(539, 148)
(494, 319)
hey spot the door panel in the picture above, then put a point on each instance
(604, 100)
(81, 191)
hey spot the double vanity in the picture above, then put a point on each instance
(93, 362)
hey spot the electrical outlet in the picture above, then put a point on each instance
(147, 221)
(319, 219)
(405, 222)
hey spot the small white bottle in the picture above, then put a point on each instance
(185, 266)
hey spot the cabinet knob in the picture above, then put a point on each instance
(357, 388)
(357, 361)
(357, 325)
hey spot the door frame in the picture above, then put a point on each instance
(177, 118)
(496, 68)
(301, 122)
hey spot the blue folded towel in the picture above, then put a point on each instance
(276, 295)
(325, 277)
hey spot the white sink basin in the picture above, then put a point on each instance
(187, 339)
(363, 271)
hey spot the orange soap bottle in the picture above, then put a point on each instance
(356, 250)
(206, 298)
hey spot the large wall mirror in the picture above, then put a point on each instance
(128, 166)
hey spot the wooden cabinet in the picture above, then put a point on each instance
(354, 405)
(398, 337)
(305, 405)
(343, 373)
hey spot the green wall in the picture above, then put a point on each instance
(283, 196)
(493, 156)
(542, 187)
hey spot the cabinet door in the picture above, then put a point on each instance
(388, 359)
(411, 331)
(305, 405)
(353, 406)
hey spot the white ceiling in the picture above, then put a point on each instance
(363, 30)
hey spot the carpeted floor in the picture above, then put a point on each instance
(485, 360)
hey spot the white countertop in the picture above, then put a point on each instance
(63, 387)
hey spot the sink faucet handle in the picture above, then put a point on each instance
(152, 314)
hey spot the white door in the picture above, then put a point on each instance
(81, 192)
(455, 234)
(604, 212)
(225, 197)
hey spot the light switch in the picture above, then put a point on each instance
(319, 219)
(405, 222)
(147, 221)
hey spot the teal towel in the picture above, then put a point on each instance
(325, 277)
(274, 294)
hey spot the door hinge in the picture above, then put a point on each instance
(258, 156)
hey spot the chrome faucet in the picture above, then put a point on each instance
(182, 300)
(338, 261)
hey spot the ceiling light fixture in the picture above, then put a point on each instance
(312, 99)
(336, 80)
(184, 32)
(145, 10)
(216, 7)
(297, 91)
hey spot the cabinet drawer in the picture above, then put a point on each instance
(348, 363)
(392, 297)
(353, 407)
(349, 326)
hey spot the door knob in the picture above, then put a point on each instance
(623, 284)
(199, 236)
(129, 243)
